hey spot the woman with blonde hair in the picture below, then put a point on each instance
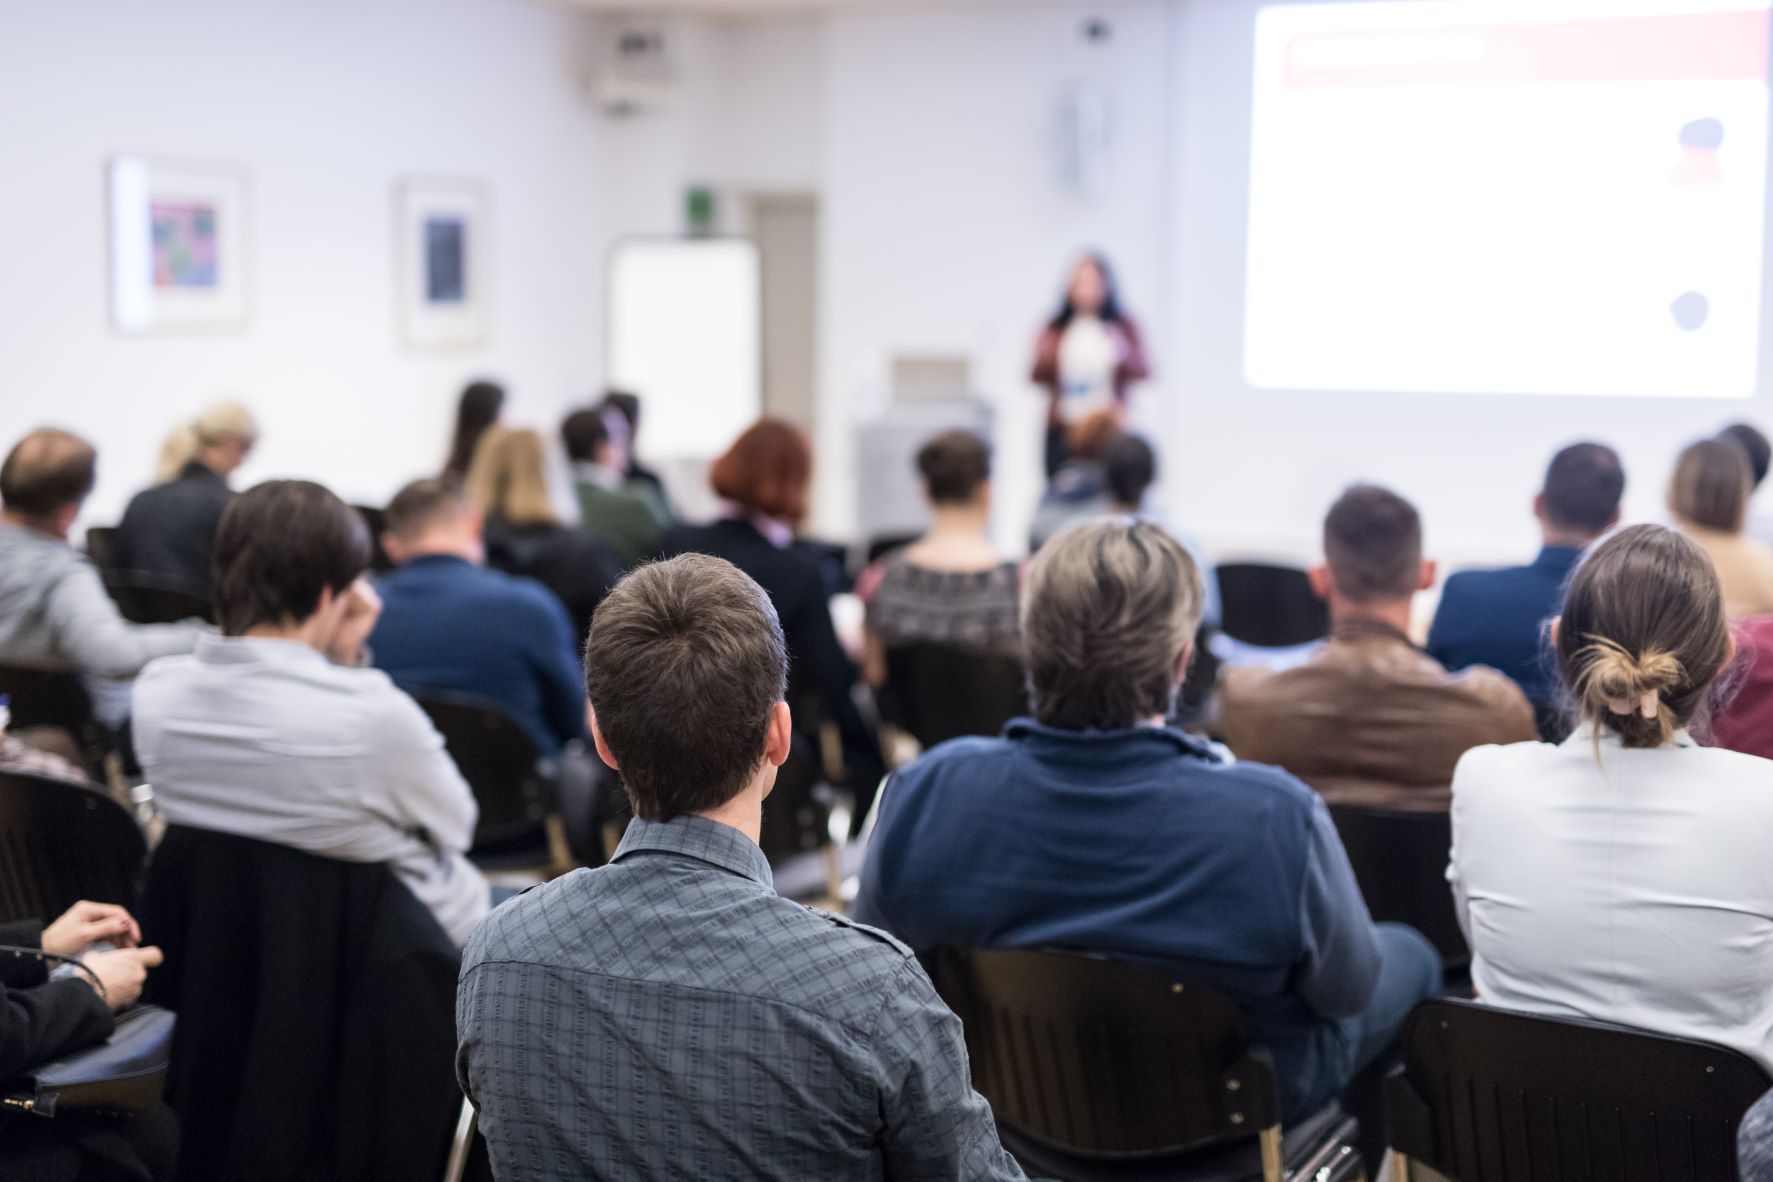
(167, 535)
(508, 480)
(1709, 499)
(1622, 875)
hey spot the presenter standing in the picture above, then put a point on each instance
(1088, 356)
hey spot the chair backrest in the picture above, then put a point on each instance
(795, 820)
(881, 545)
(498, 759)
(61, 843)
(45, 697)
(1099, 1058)
(1268, 605)
(1400, 861)
(98, 545)
(1485, 1095)
(145, 601)
(377, 521)
(938, 692)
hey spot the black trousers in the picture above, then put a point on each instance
(88, 1147)
(1057, 452)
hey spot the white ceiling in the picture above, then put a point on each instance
(759, 7)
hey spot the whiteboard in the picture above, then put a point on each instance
(686, 336)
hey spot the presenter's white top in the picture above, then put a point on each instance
(1088, 357)
(1634, 888)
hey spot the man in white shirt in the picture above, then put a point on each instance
(274, 730)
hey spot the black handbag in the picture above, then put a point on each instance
(125, 1073)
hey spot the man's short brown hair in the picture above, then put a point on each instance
(1110, 607)
(953, 465)
(683, 665)
(1373, 545)
(415, 507)
(47, 471)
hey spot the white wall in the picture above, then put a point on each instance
(327, 104)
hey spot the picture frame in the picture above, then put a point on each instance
(179, 239)
(441, 257)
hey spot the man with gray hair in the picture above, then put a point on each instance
(1093, 825)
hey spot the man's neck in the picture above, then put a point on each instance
(34, 524)
(743, 812)
(1552, 536)
(1393, 614)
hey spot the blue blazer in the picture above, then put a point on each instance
(1498, 617)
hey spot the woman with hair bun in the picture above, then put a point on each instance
(1623, 875)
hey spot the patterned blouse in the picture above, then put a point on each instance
(966, 609)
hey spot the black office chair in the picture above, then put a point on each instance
(98, 545)
(796, 833)
(937, 692)
(881, 545)
(1400, 861)
(145, 600)
(377, 521)
(520, 826)
(57, 700)
(1485, 1095)
(61, 843)
(1100, 1070)
(1271, 606)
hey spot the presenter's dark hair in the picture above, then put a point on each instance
(1754, 445)
(684, 663)
(953, 466)
(1583, 484)
(279, 546)
(1110, 311)
(478, 410)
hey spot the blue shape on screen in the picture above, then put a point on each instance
(1690, 311)
(1703, 133)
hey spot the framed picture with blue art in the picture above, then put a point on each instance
(178, 245)
(441, 231)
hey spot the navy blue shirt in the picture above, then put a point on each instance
(450, 625)
(1497, 618)
(1145, 844)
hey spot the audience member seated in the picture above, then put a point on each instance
(43, 1019)
(476, 413)
(54, 612)
(1709, 499)
(763, 479)
(448, 623)
(600, 474)
(1079, 489)
(693, 1023)
(525, 536)
(1622, 875)
(642, 481)
(1754, 1142)
(1743, 711)
(951, 586)
(1371, 719)
(1759, 451)
(167, 535)
(1129, 469)
(275, 731)
(1093, 826)
(1498, 617)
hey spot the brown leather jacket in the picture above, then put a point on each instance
(1371, 719)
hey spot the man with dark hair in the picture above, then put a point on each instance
(275, 730)
(1094, 826)
(1759, 450)
(1498, 617)
(642, 481)
(697, 1024)
(1371, 719)
(597, 444)
(448, 623)
(54, 612)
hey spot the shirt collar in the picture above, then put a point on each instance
(721, 846)
(1557, 558)
(777, 533)
(1364, 629)
(1026, 728)
(215, 649)
(435, 560)
(198, 470)
(606, 478)
(1584, 735)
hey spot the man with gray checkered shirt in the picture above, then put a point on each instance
(669, 1015)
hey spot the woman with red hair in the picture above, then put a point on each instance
(763, 481)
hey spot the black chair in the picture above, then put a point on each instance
(58, 700)
(1271, 606)
(377, 521)
(883, 544)
(1400, 861)
(61, 843)
(1485, 1095)
(936, 692)
(796, 833)
(1097, 1069)
(144, 600)
(519, 826)
(98, 545)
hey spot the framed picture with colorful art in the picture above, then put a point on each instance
(178, 246)
(441, 257)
